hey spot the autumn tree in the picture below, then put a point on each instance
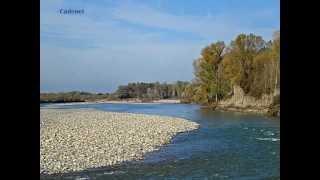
(248, 62)
(208, 74)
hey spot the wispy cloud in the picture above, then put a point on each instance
(117, 43)
(222, 26)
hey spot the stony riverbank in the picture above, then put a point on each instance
(125, 101)
(75, 140)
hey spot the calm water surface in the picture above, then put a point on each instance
(228, 145)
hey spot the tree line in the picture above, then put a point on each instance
(73, 96)
(139, 90)
(155, 90)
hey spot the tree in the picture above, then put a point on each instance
(208, 73)
(123, 92)
(248, 62)
(243, 49)
(276, 57)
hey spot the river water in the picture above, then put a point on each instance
(228, 145)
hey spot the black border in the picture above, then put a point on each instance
(284, 88)
(20, 65)
(21, 93)
(298, 126)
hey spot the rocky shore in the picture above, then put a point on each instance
(125, 101)
(75, 140)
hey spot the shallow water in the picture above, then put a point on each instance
(228, 145)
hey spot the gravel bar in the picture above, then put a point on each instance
(80, 139)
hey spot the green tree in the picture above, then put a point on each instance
(208, 73)
(243, 50)
(123, 92)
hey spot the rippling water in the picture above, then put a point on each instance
(228, 145)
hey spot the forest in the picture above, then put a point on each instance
(248, 62)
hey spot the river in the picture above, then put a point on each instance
(228, 145)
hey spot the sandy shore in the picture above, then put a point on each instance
(162, 101)
(75, 140)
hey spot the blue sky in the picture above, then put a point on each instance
(119, 41)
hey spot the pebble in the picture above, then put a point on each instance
(79, 139)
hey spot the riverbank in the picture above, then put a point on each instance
(267, 104)
(161, 101)
(138, 101)
(76, 140)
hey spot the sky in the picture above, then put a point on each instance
(119, 41)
